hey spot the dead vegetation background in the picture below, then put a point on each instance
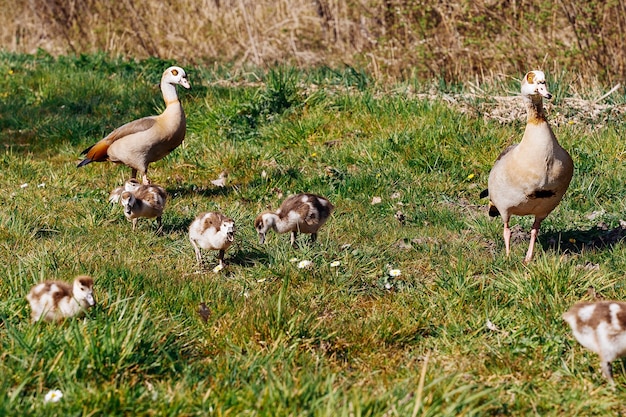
(454, 40)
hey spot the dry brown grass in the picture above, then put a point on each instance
(456, 40)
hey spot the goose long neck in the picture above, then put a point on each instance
(534, 110)
(169, 93)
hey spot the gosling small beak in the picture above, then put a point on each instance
(90, 300)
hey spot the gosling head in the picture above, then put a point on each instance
(130, 185)
(228, 228)
(82, 290)
(127, 200)
(263, 223)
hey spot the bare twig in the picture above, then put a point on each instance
(611, 91)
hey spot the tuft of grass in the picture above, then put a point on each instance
(335, 339)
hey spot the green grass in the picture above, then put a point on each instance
(344, 341)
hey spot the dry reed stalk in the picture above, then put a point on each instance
(449, 39)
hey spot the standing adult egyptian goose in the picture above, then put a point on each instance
(56, 300)
(600, 327)
(148, 139)
(299, 213)
(146, 201)
(211, 231)
(532, 176)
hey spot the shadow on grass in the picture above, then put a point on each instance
(211, 191)
(596, 238)
(248, 257)
(176, 225)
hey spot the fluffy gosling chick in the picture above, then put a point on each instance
(211, 231)
(146, 201)
(600, 327)
(56, 300)
(299, 213)
(130, 185)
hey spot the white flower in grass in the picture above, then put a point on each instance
(335, 264)
(304, 264)
(492, 326)
(292, 260)
(218, 268)
(53, 396)
(394, 273)
(24, 185)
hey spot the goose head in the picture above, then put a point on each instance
(534, 84)
(176, 75)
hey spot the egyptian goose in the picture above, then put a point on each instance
(600, 327)
(148, 139)
(130, 185)
(56, 300)
(146, 201)
(211, 231)
(532, 176)
(303, 213)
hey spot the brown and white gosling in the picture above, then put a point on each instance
(532, 176)
(130, 185)
(299, 213)
(146, 201)
(212, 231)
(600, 327)
(140, 142)
(56, 300)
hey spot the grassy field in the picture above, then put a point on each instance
(348, 340)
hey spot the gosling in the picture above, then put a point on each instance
(211, 231)
(600, 327)
(56, 300)
(146, 201)
(299, 213)
(130, 185)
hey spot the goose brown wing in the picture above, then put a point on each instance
(99, 151)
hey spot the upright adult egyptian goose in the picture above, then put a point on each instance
(148, 139)
(532, 176)
(299, 213)
(212, 231)
(56, 300)
(600, 327)
(146, 201)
